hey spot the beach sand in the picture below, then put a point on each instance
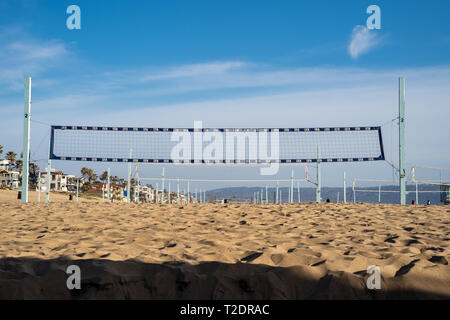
(221, 251)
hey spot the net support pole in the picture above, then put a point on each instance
(379, 193)
(281, 196)
(292, 185)
(138, 183)
(353, 190)
(318, 197)
(289, 194)
(178, 191)
(277, 197)
(188, 194)
(337, 199)
(103, 193)
(49, 165)
(129, 179)
(417, 194)
(267, 194)
(138, 191)
(47, 196)
(345, 189)
(401, 141)
(108, 184)
(298, 191)
(168, 195)
(162, 187)
(78, 185)
(26, 140)
(39, 186)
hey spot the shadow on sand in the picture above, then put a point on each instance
(31, 278)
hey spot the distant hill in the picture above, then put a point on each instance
(309, 194)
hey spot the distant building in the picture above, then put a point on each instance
(152, 195)
(59, 181)
(99, 188)
(146, 194)
(9, 178)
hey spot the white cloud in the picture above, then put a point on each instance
(22, 56)
(21, 50)
(362, 41)
(193, 70)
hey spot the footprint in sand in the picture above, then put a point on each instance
(439, 260)
(252, 256)
(405, 269)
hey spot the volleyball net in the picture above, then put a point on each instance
(427, 182)
(430, 175)
(216, 146)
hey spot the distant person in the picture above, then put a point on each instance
(328, 199)
(413, 202)
(428, 202)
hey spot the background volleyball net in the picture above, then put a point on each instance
(255, 190)
(430, 175)
(220, 146)
(426, 183)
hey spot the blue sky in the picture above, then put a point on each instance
(229, 63)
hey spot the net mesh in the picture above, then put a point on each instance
(171, 145)
(430, 175)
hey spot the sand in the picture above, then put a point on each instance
(226, 251)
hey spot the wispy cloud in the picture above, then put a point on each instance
(21, 56)
(194, 70)
(362, 41)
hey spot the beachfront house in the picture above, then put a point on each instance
(59, 181)
(9, 178)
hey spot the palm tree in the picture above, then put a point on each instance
(1, 150)
(11, 157)
(18, 165)
(34, 175)
(114, 179)
(85, 172)
(104, 176)
(88, 174)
